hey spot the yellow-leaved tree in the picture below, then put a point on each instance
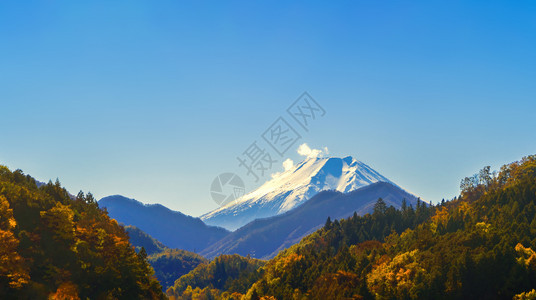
(13, 274)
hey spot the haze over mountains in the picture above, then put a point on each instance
(293, 187)
(272, 218)
(174, 229)
(478, 245)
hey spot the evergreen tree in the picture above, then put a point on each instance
(327, 226)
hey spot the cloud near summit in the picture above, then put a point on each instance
(303, 150)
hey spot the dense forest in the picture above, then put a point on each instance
(171, 264)
(57, 246)
(227, 276)
(479, 245)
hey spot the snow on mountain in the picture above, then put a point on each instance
(293, 187)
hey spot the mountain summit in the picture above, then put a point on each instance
(293, 187)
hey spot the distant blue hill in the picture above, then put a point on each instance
(172, 228)
(140, 239)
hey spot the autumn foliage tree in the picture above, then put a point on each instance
(55, 246)
(13, 273)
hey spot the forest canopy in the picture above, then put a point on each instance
(58, 246)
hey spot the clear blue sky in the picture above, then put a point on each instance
(153, 99)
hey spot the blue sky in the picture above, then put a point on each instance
(152, 100)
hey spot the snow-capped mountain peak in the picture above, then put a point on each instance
(294, 186)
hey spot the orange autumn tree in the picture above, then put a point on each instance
(13, 274)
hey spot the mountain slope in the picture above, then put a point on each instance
(293, 187)
(171, 264)
(264, 238)
(227, 272)
(168, 264)
(172, 228)
(140, 239)
(480, 245)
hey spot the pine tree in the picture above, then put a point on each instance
(327, 226)
(380, 207)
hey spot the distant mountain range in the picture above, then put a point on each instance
(293, 187)
(172, 228)
(264, 238)
(273, 217)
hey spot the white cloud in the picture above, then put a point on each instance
(275, 175)
(288, 164)
(305, 150)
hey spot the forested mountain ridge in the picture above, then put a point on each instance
(168, 264)
(139, 239)
(171, 264)
(478, 246)
(56, 247)
(227, 276)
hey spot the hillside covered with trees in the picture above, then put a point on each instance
(140, 239)
(171, 264)
(55, 246)
(480, 245)
(227, 276)
(168, 264)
